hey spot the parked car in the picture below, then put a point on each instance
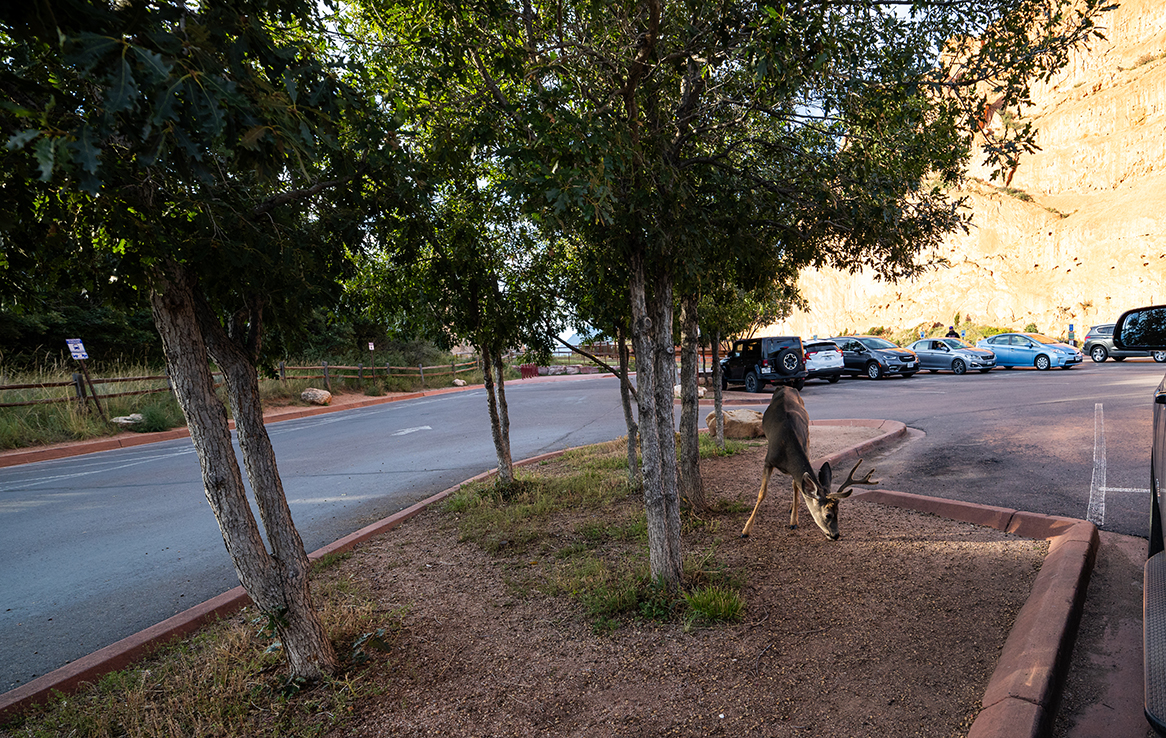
(1144, 329)
(824, 361)
(937, 354)
(1031, 349)
(1099, 346)
(755, 362)
(875, 357)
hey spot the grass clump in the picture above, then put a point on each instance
(572, 528)
(229, 680)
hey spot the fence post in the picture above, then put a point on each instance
(282, 372)
(453, 370)
(327, 381)
(388, 371)
(422, 370)
(79, 386)
(360, 373)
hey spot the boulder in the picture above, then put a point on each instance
(314, 396)
(459, 383)
(739, 423)
(132, 419)
(699, 391)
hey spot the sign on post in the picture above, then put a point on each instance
(77, 350)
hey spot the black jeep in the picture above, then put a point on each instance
(755, 362)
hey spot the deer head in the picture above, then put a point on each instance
(821, 502)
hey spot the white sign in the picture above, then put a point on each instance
(76, 348)
(370, 345)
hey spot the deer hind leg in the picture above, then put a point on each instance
(760, 497)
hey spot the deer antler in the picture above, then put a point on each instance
(851, 481)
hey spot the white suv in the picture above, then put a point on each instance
(823, 361)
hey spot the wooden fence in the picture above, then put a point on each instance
(79, 391)
(328, 372)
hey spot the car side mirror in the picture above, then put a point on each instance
(1141, 329)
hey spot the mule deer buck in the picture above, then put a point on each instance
(787, 428)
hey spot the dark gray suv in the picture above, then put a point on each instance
(755, 362)
(1099, 346)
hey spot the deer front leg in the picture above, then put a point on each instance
(760, 497)
(793, 513)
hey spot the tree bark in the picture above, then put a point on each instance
(277, 582)
(691, 485)
(655, 371)
(499, 422)
(718, 392)
(629, 416)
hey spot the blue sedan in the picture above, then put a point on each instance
(1031, 349)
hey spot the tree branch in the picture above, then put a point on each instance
(604, 364)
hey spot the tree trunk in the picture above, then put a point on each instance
(629, 415)
(276, 582)
(655, 370)
(718, 392)
(691, 485)
(499, 422)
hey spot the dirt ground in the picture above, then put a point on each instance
(892, 631)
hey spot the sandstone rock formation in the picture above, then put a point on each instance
(1080, 233)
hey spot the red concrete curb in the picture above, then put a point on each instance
(1024, 691)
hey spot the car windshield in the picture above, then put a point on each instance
(955, 343)
(1042, 339)
(877, 343)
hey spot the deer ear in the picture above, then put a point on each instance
(825, 476)
(808, 483)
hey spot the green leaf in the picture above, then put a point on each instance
(253, 136)
(18, 140)
(123, 89)
(87, 151)
(155, 66)
(45, 157)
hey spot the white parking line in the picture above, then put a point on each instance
(1096, 511)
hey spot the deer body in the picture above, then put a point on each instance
(787, 428)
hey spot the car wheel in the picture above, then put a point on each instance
(1098, 354)
(834, 378)
(1159, 356)
(788, 361)
(799, 384)
(753, 383)
(1042, 362)
(874, 371)
(1119, 358)
(958, 366)
(908, 375)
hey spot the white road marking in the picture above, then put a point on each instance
(407, 431)
(1096, 511)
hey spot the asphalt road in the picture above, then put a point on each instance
(97, 547)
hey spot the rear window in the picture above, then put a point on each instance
(878, 343)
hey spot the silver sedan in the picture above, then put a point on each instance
(952, 354)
